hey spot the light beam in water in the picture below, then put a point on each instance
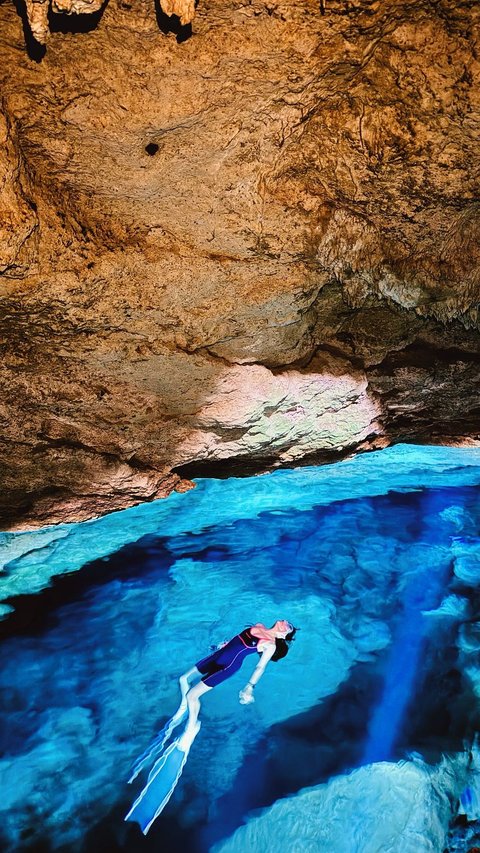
(422, 592)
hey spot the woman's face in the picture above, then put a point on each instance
(283, 627)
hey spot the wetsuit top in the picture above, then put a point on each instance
(248, 639)
(225, 661)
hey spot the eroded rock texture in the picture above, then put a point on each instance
(257, 244)
(39, 13)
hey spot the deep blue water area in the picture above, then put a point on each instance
(383, 586)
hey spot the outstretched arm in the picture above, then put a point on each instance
(246, 695)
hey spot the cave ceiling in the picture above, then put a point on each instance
(238, 234)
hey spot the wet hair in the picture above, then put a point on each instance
(282, 645)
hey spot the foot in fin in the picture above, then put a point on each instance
(186, 739)
(162, 781)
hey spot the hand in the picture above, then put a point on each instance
(246, 696)
(216, 646)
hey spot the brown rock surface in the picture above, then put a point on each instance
(258, 244)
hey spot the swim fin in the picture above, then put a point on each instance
(162, 781)
(155, 748)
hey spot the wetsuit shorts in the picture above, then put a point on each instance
(224, 662)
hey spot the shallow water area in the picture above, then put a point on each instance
(376, 559)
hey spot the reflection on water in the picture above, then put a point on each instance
(380, 589)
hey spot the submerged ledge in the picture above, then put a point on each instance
(28, 560)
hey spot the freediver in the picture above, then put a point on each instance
(270, 643)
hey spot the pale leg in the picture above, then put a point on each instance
(184, 680)
(193, 702)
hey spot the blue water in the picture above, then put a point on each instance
(90, 665)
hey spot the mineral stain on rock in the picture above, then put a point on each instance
(252, 246)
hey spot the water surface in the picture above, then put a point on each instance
(381, 584)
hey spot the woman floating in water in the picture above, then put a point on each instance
(270, 644)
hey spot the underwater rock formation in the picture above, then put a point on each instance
(361, 555)
(343, 814)
(254, 245)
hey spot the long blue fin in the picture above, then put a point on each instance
(162, 781)
(155, 748)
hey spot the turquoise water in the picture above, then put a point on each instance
(376, 559)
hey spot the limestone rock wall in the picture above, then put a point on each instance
(39, 12)
(256, 241)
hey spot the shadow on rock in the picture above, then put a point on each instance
(171, 24)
